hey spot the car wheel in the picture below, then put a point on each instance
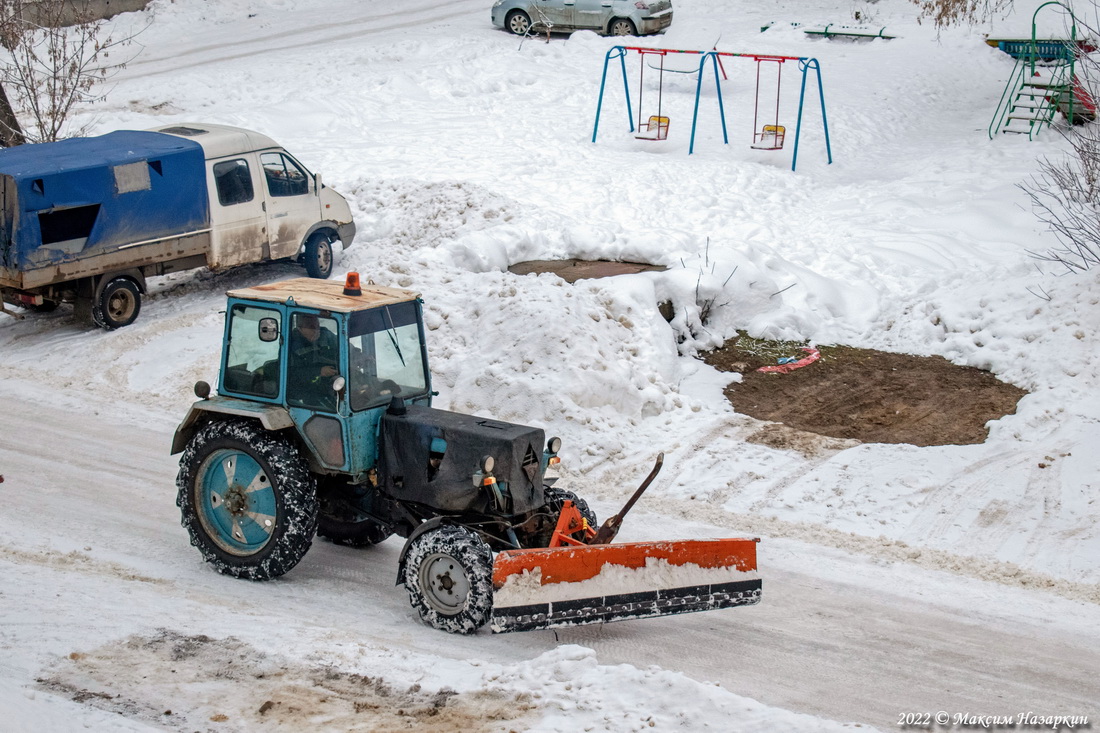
(621, 27)
(318, 256)
(518, 22)
(118, 304)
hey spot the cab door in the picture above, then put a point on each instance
(312, 343)
(237, 219)
(292, 202)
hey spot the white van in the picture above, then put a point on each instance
(87, 220)
(264, 204)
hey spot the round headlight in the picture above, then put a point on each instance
(487, 464)
(554, 444)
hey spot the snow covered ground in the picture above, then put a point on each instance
(897, 579)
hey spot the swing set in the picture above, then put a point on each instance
(769, 136)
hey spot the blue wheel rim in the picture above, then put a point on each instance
(236, 502)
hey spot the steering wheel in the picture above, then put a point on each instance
(389, 387)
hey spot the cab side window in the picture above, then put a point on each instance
(233, 180)
(313, 362)
(284, 176)
(252, 359)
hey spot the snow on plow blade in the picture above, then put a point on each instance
(570, 586)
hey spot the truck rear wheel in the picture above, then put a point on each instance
(449, 576)
(118, 304)
(247, 499)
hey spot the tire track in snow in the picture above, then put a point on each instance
(264, 45)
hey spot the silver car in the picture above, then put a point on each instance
(613, 17)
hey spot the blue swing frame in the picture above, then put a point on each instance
(805, 65)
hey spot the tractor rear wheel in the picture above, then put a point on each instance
(449, 576)
(350, 533)
(341, 519)
(247, 499)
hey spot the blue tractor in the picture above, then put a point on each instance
(322, 424)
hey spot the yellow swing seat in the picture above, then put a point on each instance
(655, 129)
(771, 138)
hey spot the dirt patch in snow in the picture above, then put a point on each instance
(198, 683)
(865, 395)
(574, 270)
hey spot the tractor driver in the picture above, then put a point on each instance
(312, 364)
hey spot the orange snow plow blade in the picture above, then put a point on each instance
(569, 586)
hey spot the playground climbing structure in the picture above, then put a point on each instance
(1043, 83)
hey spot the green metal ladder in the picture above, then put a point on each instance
(1035, 92)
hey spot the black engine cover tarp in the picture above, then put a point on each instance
(406, 442)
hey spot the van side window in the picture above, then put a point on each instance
(233, 181)
(284, 176)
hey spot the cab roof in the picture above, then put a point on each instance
(325, 295)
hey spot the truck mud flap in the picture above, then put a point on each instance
(571, 586)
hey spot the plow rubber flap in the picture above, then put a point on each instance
(570, 586)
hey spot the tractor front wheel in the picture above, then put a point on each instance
(556, 498)
(247, 499)
(449, 576)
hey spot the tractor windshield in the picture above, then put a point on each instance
(386, 356)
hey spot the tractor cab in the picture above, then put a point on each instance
(333, 355)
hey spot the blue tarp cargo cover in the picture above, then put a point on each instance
(83, 196)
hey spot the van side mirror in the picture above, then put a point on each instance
(317, 185)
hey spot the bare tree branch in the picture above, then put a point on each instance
(945, 13)
(51, 67)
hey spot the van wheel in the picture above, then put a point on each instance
(318, 256)
(118, 304)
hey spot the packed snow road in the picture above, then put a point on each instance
(840, 636)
